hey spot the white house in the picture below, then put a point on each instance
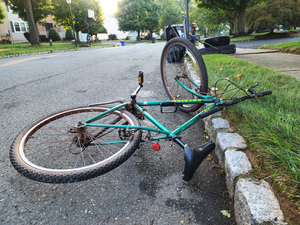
(111, 25)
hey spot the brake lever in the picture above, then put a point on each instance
(250, 89)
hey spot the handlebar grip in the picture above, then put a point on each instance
(259, 94)
(211, 111)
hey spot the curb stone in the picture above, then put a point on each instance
(254, 200)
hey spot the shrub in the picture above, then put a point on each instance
(69, 35)
(112, 37)
(53, 34)
(42, 38)
(27, 35)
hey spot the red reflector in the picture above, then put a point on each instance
(156, 146)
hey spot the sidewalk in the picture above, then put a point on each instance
(281, 62)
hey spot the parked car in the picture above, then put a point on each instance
(145, 36)
(157, 37)
(193, 28)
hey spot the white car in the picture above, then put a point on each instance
(156, 36)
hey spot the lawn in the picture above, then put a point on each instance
(288, 47)
(252, 36)
(270, 125)
(24, 48)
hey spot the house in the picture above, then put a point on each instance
(49, 23)
(13, 27)
(112, 26)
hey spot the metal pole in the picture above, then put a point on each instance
(73, 25)
(186, 19)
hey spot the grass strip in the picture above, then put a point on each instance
(252, 36)
(270, 125)
(288, 47)
(24, 48)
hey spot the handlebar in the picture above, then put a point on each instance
(219, 106)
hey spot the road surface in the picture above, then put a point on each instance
(146, 189)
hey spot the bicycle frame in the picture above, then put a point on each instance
(161, 129)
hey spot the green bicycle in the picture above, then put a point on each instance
(80, 143)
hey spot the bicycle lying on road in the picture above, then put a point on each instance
(80, 143)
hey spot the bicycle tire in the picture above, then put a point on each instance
(174, 64)
(53, 150)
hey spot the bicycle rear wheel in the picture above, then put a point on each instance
(181, 60)
(58, 148)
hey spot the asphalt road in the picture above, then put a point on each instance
(146, 189)
(258, 43)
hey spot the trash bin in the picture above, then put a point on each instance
(153, 40)
(123, 43)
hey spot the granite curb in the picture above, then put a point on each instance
(254, 200)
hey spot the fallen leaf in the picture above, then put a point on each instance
(225, 213)
(239, 76)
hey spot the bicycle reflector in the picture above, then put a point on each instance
(156, 146)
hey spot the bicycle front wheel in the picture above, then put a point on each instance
(59, 148)
(180, 60)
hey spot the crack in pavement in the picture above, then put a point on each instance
(30, 82)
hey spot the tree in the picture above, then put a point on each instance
(274, 12)
(79, 8)
(138, 15)
(32, 12)
(235, 7)
(150, 20)
(129, 15)
(2, 14)
(95, 27)
(170, 13)
(40, 9)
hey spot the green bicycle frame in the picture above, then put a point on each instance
(161, 128)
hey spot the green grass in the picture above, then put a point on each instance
(291, 46)
(251, 36)
(270, 125)
(24, 48)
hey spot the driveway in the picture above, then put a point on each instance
(146, 189)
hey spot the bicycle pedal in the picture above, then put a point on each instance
(141, 78)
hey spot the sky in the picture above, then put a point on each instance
(109, 6)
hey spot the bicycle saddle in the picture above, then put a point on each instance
(194, 157)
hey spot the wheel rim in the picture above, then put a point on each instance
(178, 69)
(32, 150)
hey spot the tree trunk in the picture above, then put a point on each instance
(34, 38)
(241, 16)
(235, 26)
(138, 37)
(77, 37)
